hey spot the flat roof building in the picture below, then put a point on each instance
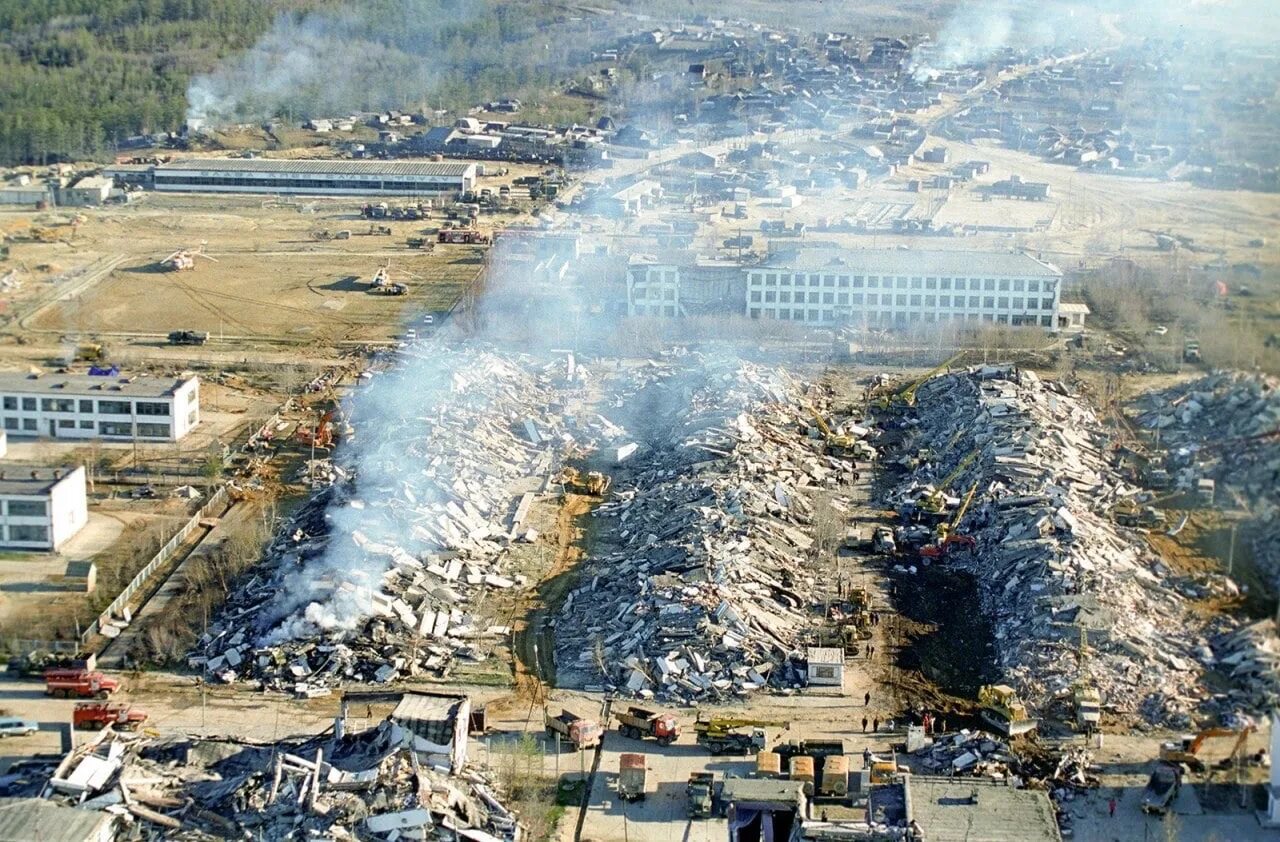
(314, 177)
(41, 508)
(80, 406)
(979, 810)
(826, 666)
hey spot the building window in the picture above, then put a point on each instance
(1046, 304)
(915, 300)
(931, 301)
(1003, 302)
(828, 298)
(944, 300)
(813, 297)
(902, 300)
(755, 312)
(771, 279)
(824, 672)
(829, 281)
(784, 297)
(1004, 284)
(1046, 321)
(988, 302)
(27, 508)
(11, 423)
(843, 298)
(873, 298)
(755, 296)
(10, 403)
(844, 282)
(786, 280)
(901, 284)
(1018, 303)
(1033, 286)
(1019, 285)
(973, 301)
(28, 534)
(813, 315)
(112, 428)
(113, 407)
(28, 404)
(1002, 319)
(66, 424)
(191, 418)
(29, 425)
(57, 405)
(86, 407)
(873, 282)
(86, 425)
(946, 284)
(916, 282)
(857, 282)
(989, 285)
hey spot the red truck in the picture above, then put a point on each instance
(81, 683)
(90, 715)
(638, 723)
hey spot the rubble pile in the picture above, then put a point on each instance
(700, 590)
(375, 578)
(1218, 427)
(1049, 563)
(1250, 656)
(369, 785)
(967, 753)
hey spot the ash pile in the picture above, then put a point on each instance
(1226, 427)
(383, 574)
(701, 589)
(383, 783)
(1052, 567)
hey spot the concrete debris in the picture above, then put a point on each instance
(1050, 564)
(700, 590)
(969, 754)
(370, 785)
(375, 578)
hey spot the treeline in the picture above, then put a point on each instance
(78, 76)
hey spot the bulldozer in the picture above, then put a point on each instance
(592, 483)
(1004, 711)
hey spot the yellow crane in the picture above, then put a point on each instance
(947, 535)
(907, 395)
(936, 499)
(837, 444)
(721, 734)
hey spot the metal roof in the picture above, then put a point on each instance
(25, 819)
(825, 655)
(980, 810)
(30, 481)
(320, 167)
(84, 385)
(914, 262)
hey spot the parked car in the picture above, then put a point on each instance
(11, 726)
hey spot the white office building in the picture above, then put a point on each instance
(41, 508)
(314, 177)
(905, 288)
(79, 406)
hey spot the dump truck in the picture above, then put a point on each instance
(91, 715)
(1162, 788)
(638, 723)
(1004, 711)
(578, 730)
(632, 777)
(724, 734)
(91, 352)
(1128, 513)
(83, 683)
(188, 337)
(592, 483)
(701, 794)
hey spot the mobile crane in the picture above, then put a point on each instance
(721, 734)
(935, 501)
(907, 396)
(947, 535)
(837, 444)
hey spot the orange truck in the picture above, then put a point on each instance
(93, 715)
(84, 684)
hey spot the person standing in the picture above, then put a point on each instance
(866, 700)
(875, 725)
(1111, 806)
(864, 725)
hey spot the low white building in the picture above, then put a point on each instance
(80, 406)
(826, 666)
(41, 508)
(1071, 315)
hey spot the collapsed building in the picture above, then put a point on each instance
(1052, 568)
(405, 775)
(700, 587)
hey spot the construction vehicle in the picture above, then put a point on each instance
(633, 776)
(907, 395)
(420, 243)
(37, 663)
(578, 730)
(91, 352)
(184, 259)
(638, 723)
(82, 683)
(1162, 788)
(1191, 351)
(592, 483)
(463, 236)
(1087, 702)
(123, 716)
(722, 734)
(188, 337)
(884, 771)
(700, 792)
(882, 541)
(936, 500)
(1185, 752)
(948, 538)
(321, 435)
(1004, 711)
(835, 444)
(1206, 490)
(1129, 513)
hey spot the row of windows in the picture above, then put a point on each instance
(653, 293)
(660, 275)
(876, 282)
(891, 318)
(26, 508)
(988, 302)
(105, 428)
(304, 183)
(25, 533)
(85, 407)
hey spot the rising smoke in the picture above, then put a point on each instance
(368, 56)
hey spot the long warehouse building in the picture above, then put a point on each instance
(308, 178)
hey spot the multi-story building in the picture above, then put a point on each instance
(305, 177)
(41, 508)
(79, 406)
(683, 284)
(904, 288)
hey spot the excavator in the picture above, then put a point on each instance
(721, 734)
(836, 444)
(1185, 751)
(947, 535)
(592, 483)
(907, 396)
(321, 435)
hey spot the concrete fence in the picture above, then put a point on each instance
(215, 505)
